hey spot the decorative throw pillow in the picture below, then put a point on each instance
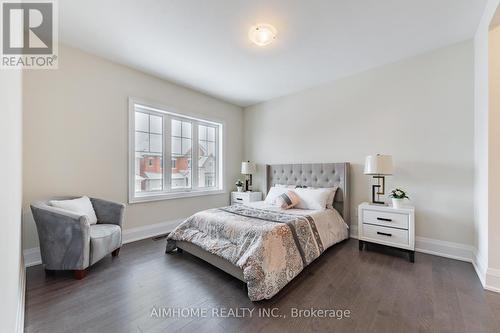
(312, 198)
(287, 200)
(81, 206)
(275, 192)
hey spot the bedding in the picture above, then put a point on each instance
(269, 244)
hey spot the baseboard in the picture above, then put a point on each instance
(445, 249)
(489, 277)
(479, 266)
(148, 231)
(353, 231)
(435, 247)
(492, 282)
(32, 256)
(21, 297)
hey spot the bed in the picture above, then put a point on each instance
(266, 246)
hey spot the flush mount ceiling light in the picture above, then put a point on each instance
(262, 34)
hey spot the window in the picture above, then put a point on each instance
(172, 155)
(182, 153)
(206, 156)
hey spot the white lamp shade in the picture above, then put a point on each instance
(247, 168)
(379, 165)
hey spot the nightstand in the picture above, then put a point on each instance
(387, 226)
(238, 198)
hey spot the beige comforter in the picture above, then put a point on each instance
(271, 246)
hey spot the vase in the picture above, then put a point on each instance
(239, 188)
(397, 203)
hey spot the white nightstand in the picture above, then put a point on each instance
(238, 198)
(387, 226)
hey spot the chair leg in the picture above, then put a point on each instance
(79, 273)
(116, 252)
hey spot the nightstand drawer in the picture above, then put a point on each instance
(240, 198)
(386, 219)
(391, 236)
(245, 197)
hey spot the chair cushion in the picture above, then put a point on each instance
(104, 239)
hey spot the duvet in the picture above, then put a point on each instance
(269, 244)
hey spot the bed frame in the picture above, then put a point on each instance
(310, 175)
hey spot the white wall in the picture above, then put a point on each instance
(75, 135)
(494, 152)
(419, 110)
(482, 147)
(12, 273)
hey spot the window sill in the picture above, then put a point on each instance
(173, 195)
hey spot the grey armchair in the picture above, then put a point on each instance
(68, 242)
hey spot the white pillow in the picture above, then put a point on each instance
(275, 192)
(81, 206)
(312, 198)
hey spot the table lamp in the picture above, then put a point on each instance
(379, 166)
(248, 168)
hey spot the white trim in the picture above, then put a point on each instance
(489, 277)
(492, 280)
(479, 267)
(353, 231)
(32, 256)
(452, 250)
(457, 251)
(148, 231)
(21, 298)
(174, 195)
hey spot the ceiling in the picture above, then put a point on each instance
(203, 44)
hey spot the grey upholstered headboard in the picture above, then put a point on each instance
(314, 175)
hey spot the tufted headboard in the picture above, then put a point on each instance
(314, 175)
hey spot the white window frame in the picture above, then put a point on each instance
(168, 113)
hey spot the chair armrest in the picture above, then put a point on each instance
(108, 212)
(64, 237)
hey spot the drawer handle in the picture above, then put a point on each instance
(239, 199)
(383, 219)
(383, 234)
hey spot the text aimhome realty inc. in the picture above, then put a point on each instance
(246, 312)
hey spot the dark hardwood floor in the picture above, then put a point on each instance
(384, 293)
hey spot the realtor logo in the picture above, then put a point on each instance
(29, 34)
